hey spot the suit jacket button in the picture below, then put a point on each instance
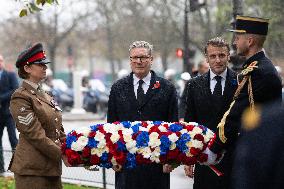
(139, 112)
(56, 119)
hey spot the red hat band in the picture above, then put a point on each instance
(34, 58)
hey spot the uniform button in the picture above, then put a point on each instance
(139, 112)
(53, 109)
(56, 119)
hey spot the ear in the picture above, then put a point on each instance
(27, 68)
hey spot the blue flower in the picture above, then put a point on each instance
(181, 142)
(175, 127)
(106, 165)
(142, 139)
(95, 127)
(135, 128)
(157, 122)
(92, 143)
(130, 161)
(104, 157)
(126, 124)
(121, 146)
(165, 144)
(69, 141)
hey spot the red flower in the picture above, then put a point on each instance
(86, 152)
(144, 124)
(172, 155)
(198, 137)
(120, 157)
(157, 85)
(95, 160)
(194, 151)
(73, 157)
(202, 158)
(92, 134)
(190, 160)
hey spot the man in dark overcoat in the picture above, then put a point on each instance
(259, 163)
(8, 84)
(259, 82)
(208, 97)
(142, 96)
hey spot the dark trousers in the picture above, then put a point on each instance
(7, 121)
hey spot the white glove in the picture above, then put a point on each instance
(212, 157)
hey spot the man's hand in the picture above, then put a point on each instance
(117, 168)
(167, 168)
(189, 170)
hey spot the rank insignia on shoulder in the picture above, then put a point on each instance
(26, 120)
(22, 109)
(250, 68)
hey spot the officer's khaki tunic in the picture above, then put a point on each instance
(37, 159)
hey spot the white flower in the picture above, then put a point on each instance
(155, 155)
(130, 145)
(196, 130)
(97, 151)
(114, 137)
(110, 128)
(173, 137)
(146, 152)
(99, 136)
(162, 128)
(79, 144)
(183, 131)
(173, 146)
(84, 130)
(128, 132)
(143, 129)
(101, 144)
(154, 141)
(196, 144)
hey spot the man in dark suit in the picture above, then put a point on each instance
(8, 84)
(208, 97)
(259, 163)
(259, 82)
(142, 96)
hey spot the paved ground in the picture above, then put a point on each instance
(94, 178)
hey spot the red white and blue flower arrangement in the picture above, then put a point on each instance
(129, 144)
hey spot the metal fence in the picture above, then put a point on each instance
(76, 175)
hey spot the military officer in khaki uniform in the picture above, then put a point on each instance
(37, 159)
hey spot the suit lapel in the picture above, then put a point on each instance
(229, 86)
(206, 87)
(37, 94)
(151, 90)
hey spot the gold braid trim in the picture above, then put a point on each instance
(221, 125)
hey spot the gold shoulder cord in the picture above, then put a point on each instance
(246, 78)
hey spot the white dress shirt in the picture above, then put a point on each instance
(213, 81)
(145, 85)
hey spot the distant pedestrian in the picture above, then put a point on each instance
(8, 84)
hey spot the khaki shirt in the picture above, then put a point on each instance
(39, 122)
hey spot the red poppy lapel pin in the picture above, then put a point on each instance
(156, 85)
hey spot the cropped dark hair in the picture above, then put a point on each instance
(217, 42)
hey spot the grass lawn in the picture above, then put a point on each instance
(8, 183)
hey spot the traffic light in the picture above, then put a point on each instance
(179, 52)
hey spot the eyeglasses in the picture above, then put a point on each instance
(137, 58)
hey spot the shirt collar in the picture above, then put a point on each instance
(34, 85)
(255, 57)
(146, 79)
(223, 74)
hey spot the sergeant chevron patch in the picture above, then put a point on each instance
(26, 120)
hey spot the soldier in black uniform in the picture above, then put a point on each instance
(259, 82)
(259, 163)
